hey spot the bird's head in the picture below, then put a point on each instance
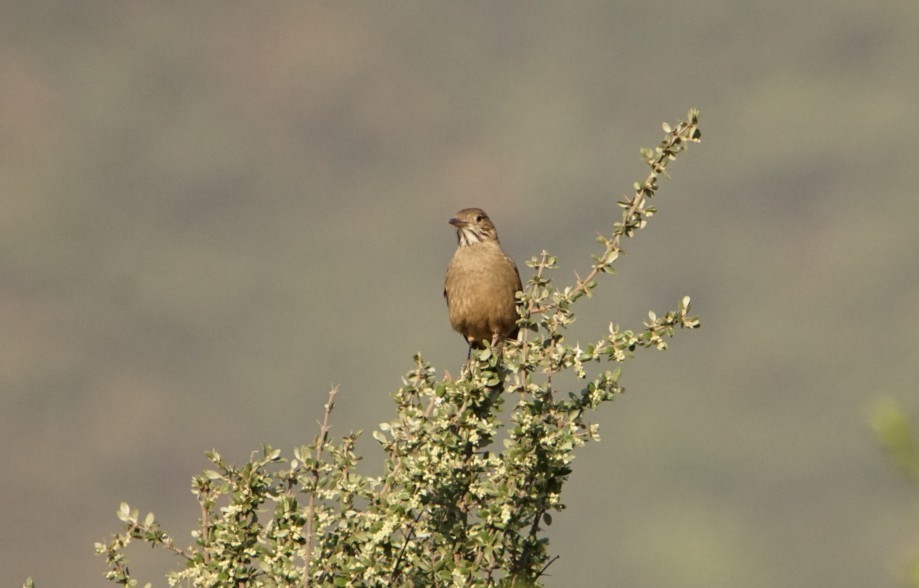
(473, 226)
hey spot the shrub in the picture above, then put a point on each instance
(454, 507)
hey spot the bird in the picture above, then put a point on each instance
(482, 282)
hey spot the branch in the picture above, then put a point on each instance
(635, 215)
(321, 439)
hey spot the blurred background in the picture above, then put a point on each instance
(212, 212)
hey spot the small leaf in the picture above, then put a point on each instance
(125, 514)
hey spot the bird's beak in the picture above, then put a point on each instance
(459, 224)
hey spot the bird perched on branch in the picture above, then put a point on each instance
(482, 282)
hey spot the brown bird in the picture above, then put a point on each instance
(482, 282)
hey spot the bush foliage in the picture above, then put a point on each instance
(895, 431)
(468, 485)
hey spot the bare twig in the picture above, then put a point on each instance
(321, 440)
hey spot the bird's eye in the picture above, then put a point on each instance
(478, 218)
